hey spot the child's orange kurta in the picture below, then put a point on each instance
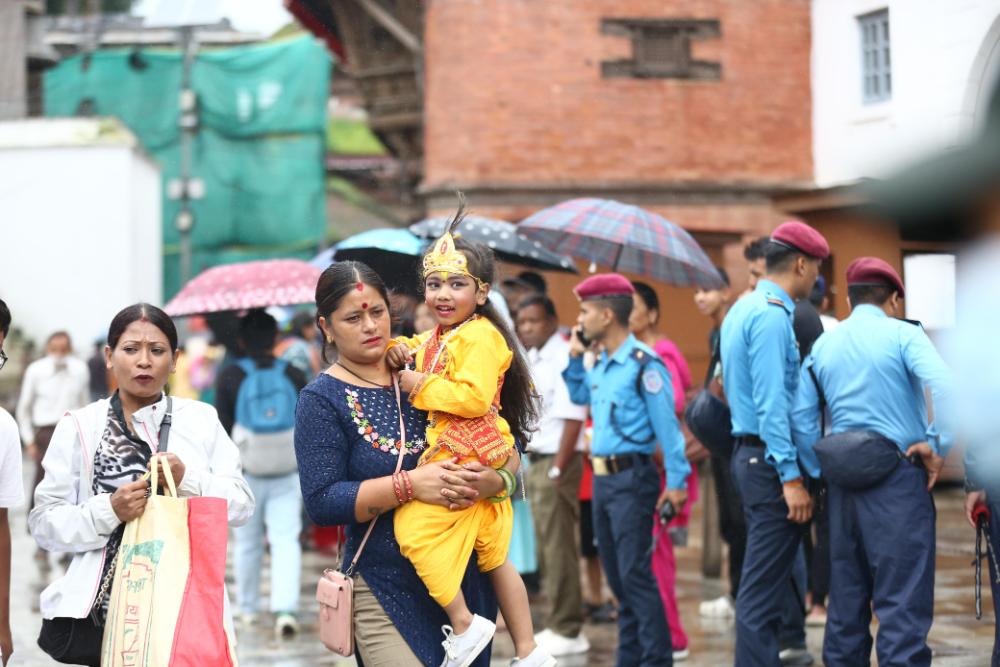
(462, 395)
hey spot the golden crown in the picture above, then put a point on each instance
(446, 258)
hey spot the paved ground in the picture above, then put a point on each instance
(958, 639)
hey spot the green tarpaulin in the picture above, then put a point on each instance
(259, 147)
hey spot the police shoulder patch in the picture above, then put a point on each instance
(652, 381)
(775, 301)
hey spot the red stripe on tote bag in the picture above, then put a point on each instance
(200, 638)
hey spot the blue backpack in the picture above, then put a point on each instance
(266, 399)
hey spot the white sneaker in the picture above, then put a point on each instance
(796, 657)
(682, 655)
(537, 658)
(461, 650)
(721, 607)
(247, 620)
(285, 626)
(543, 636)
(559, 645)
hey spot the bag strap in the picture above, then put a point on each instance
(399, 465)
(716, 358)
(822, 400)
(164, 435)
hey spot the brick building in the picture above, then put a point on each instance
(696, 109)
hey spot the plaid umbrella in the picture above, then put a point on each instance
(626, 238)
(503, 238)
(246, 285)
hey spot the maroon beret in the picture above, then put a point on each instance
(874, 271)
(603, 286)
(800, 236)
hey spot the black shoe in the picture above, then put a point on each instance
(601, 613)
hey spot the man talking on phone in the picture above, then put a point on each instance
(632, 405)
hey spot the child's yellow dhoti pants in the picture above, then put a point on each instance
(439, 541)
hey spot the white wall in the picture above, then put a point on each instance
(942, 50)
(80, 237)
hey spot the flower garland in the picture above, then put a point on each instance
(368, 432)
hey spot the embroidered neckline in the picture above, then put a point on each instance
(367, 431)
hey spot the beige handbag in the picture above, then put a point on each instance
(335, 590)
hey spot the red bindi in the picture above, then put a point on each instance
(364, 306)
(359, 286)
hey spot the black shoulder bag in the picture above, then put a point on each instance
(77, 641)
(853, 460)
(708, 416)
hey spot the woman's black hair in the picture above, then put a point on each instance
(4, 318)
(300, 321)
(518, 401)
(648, 296)
(336, 282)
(142, 312)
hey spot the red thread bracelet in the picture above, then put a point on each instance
(397, 489)
(408, 484)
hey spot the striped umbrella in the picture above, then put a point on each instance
(626, 238)
(246, 285)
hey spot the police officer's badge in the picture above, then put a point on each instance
(652, 381)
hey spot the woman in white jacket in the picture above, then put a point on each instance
(92, 484)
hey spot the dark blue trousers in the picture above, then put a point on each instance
(993, 500)
(792, 633)
(623, 507)
(882, 544)
(767, 605)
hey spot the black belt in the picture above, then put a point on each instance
(750, 440)
(612, 465)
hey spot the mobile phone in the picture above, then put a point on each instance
(667, 513)
(580, 336)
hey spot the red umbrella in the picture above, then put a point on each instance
(260, 284)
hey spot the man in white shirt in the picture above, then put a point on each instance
(554, 476)
(52, 385)
(11, 495)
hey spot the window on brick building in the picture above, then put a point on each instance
(661, 49)
(876, 59)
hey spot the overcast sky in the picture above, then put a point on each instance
(260, 16)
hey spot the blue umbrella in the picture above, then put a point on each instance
(400, 241)
(393, 253)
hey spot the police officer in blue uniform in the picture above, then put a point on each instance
(631, 402)
(760, 364)
(871, 372)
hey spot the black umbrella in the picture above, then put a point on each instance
(503, 238)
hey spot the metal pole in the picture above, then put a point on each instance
(188, 126)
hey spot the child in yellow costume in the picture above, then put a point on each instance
(477, 390)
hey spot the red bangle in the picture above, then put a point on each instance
(396, 488)
(409, 485)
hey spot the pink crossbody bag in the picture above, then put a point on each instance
(335, 590)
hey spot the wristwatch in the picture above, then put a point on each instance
(554, 472)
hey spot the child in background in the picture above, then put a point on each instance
(467, 367)
(423, 318)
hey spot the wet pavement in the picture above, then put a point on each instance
(957, 638)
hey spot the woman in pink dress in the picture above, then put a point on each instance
(645, 316)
